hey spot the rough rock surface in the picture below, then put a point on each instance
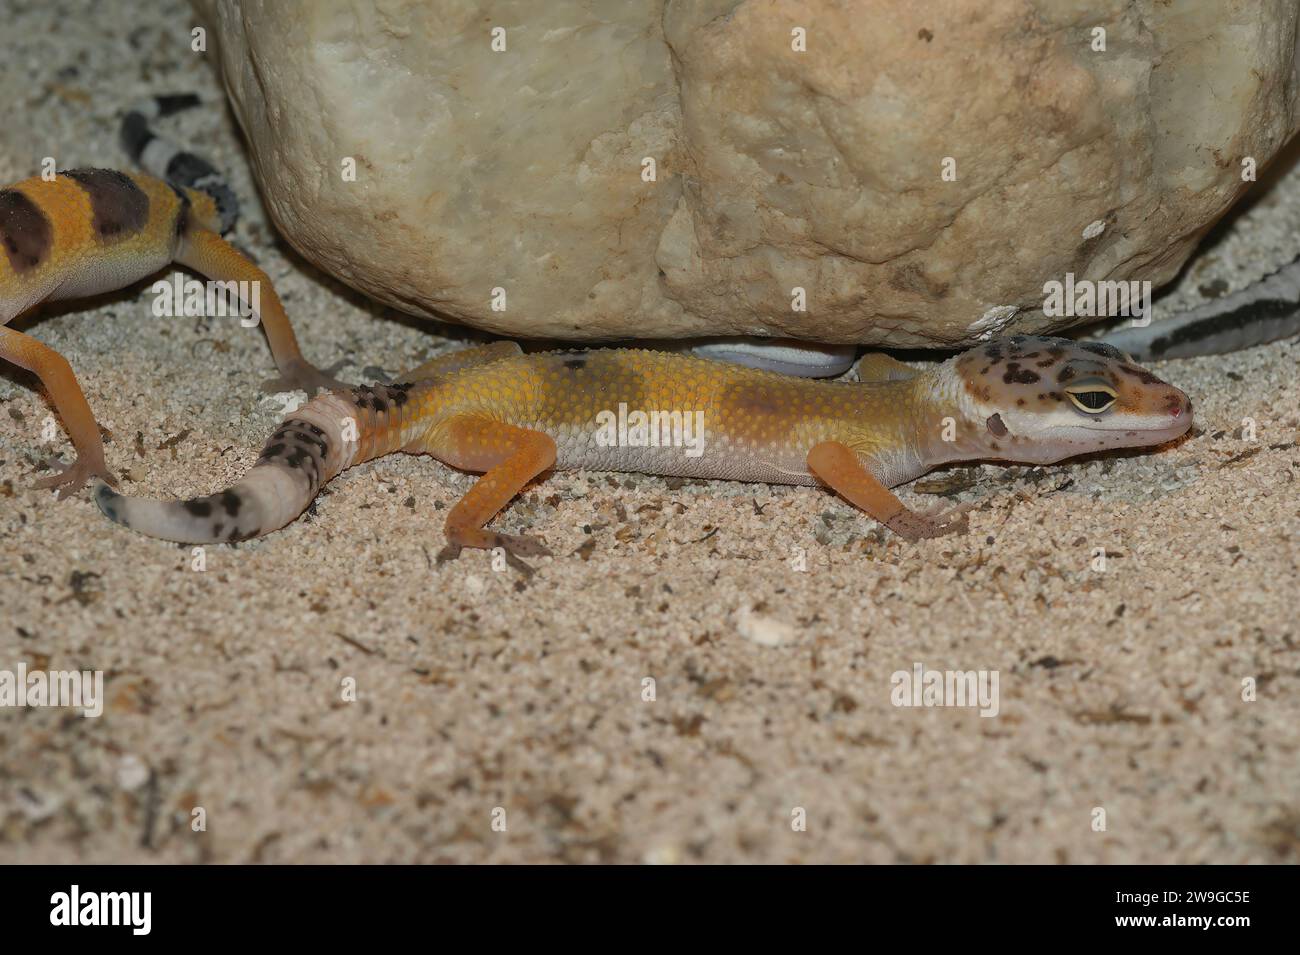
(776, 168)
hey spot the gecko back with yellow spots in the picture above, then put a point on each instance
(512, 417)
(663, 413)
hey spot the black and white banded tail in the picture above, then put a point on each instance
(310, 446)
(1264, 312)
(162, 158)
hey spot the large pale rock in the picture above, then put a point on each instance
(776, 168)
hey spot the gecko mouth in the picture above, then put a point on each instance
(1151, 428)
(1128, 436)
(1175, 429)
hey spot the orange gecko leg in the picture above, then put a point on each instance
(214, 257)
(510, 457)
(839, 467)
(56, 375)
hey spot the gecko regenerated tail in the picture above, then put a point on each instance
(512, 417)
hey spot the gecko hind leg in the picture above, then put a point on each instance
(839, 467)
(218, 260)
(508, 458)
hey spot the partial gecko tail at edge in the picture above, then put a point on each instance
(309, 448)
(1267, 311)
(162, 158)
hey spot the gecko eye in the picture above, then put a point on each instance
(1092, 397)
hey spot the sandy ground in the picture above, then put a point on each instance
(485, 695)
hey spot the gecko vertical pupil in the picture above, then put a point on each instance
(1093, 400)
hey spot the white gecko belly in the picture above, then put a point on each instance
(96, 275)
(712, 458)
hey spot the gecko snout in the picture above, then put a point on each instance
(1179, 406)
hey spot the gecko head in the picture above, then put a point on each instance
(1037, 400)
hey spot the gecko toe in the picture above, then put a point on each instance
(912, 526)
(302, 376)
(521, 546)
(68, 479)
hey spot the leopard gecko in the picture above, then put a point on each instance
(83, 232)
(512, 416)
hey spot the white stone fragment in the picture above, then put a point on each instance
(765, 631)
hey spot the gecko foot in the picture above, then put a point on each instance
(68, 479)
(515, 546)
(303, 376)
(914, 526)
(519, 546)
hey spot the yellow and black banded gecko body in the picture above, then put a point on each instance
(512, 416)
(83, 232)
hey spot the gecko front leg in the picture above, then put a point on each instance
(509, 458)
(839, 467)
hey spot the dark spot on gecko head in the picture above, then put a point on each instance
(996, 426)
(231, 502)
(198, 507)
(1065, 374)
(1141, 374)
(25, 232)
(1017, 375)
(118, 205)
(993, 352)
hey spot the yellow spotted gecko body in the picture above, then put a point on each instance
(87, 231)
(512, 416)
